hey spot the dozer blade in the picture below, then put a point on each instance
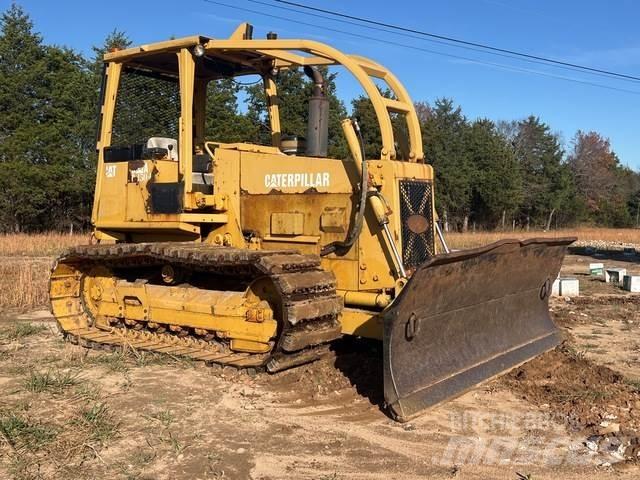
(467, 316)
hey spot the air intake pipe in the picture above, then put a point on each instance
(318, 124)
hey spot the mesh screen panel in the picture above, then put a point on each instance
(415, 202)
(146, 106)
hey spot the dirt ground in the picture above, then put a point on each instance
(68, 412)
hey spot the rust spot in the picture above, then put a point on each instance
(135, 164)
(417, 223)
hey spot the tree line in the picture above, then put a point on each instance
(513, 174)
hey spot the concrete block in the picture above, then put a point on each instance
(569, 287)
(631, 283)
(614, 275)
(596, 269)
(555, 288)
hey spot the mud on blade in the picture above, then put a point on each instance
(467, 316)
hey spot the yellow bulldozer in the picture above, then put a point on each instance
(259, 256)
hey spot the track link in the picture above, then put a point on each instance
(309, 307)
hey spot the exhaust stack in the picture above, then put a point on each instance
(318, 125)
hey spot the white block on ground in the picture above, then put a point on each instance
(569, 287)
(596, 269)
(555, 288)
(631, 283)
(614, 275)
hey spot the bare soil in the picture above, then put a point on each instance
(68, 412)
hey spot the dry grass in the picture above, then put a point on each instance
(25, 263)
(38, 245)
(25, 260)
(24, 283)
(470, 239)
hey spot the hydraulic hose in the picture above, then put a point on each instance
(356, 225)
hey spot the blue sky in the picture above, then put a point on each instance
(595, 33)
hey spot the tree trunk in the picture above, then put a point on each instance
(528, 222)
(445, 221)
(513, 226)
(465, 223)
(504, 218)
(549, 220)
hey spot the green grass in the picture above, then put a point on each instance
(121, 361)
(588, 336)
(100, 422)
(88, 392)
(165, 417)
(114, 362)
(176, 445)
(20, 330)
(21, 432)
(635, 383)
(582, 395)
(54, 382)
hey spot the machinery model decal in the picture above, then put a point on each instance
(140, 174)
(110, 171)
(293, 180)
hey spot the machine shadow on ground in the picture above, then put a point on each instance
(360, 361)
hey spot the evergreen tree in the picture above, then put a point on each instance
(223, 121)
(364, 113)
(547, 184)
(497, 185)
(484, 171)
(45, 135)
(22, 91)
(445, 142)
(294, 91)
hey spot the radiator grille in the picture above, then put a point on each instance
(416, 213)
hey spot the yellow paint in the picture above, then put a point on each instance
(261, 198)
(224, 313)
(361, 323)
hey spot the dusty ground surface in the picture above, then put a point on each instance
(67, 412)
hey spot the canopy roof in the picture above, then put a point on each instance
(241, 55)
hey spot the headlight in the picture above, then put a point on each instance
(199, 50)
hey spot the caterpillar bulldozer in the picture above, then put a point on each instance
(259, 256)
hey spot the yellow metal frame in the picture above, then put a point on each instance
(365, 274)
(291, 53)
(283, 53)
(112, 81)
(279, 54)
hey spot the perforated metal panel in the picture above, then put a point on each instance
(416, 213)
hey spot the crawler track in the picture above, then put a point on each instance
(307, 312)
